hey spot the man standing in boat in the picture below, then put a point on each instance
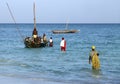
(35, 33)
(63, 44)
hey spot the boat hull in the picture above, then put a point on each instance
(64, 31)
(30, 43)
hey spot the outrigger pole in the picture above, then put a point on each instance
(15, 21)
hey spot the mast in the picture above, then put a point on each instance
(34, 30)
(34, 16)
(66, 25)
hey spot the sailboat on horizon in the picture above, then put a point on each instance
(66, 30)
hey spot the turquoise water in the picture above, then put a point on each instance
(70, 67)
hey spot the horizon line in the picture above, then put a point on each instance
(59, 23)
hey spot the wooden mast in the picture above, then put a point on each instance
(34, 16)
(34, 30)
(66, 25)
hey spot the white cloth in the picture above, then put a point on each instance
(62, 43)
(50, 41)
(34, 36)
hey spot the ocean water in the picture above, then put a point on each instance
(51, 66)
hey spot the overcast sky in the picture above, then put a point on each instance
(60, 11)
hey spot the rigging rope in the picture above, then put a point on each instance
(15, 22)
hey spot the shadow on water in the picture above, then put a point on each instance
(91, 72)
(96, 73)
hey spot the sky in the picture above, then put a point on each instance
(61, 11)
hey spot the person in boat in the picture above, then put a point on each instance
(63, 44)
(35, 35)
(51, 42)
(44, 38)
(38, 40)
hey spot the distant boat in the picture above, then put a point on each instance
(66, 30)
(35, 41)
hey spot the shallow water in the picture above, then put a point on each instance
(50, 64)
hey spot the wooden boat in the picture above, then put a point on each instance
(31, 42)
(66, 30)
(35, 41)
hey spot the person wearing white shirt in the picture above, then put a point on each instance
(51, 42)
(63, 44)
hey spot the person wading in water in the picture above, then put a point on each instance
(93, 57)
(63, 44)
